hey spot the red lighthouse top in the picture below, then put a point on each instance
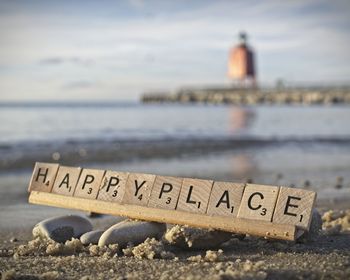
(241, 62)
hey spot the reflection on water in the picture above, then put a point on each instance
(240, 119)
(243, 166)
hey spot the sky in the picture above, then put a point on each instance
(116, 50)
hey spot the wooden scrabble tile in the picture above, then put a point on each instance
(225, 199)
(66, 180)
(258, 202)
(43, 177)
(89, 183)
(165, 192)
(294, 207)
(138, 188)
(194, 195)
(112, 187)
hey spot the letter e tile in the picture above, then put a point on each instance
(294, 207)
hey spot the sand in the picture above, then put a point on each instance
(327, 257)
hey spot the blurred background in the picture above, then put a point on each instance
(73, 75)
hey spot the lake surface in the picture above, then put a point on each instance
(267, 144)
(50, 123)
(302, 141)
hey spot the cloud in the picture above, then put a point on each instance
(138, 4)
(52, 61)
(61, 60)
(129, 52)
(78, 85)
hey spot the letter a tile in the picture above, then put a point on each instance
(113, 186)
(294, 207)
(138, 188)
(225, 199)
(43, 177)
(258, 202)
(66, 180)
(165, 192)
(194, 195)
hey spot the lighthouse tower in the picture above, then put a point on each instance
(241, 65)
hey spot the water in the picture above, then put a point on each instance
(110, 132)
(268, 144)
(50, 123)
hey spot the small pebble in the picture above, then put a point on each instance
(340, 180)
(63, 228)
(131, 231)
(93, 215)
(307, 184)
(56, 156)
(13, 239)
(339, 184)
(8, 274)
(91, 237)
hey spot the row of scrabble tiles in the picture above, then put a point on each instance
(258, 202)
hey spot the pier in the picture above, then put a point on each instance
(251, 96)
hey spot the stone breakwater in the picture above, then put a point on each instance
(252, 96)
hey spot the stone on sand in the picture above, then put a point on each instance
(91, 237)
(130, 231)
(63, 228)
(194, 238)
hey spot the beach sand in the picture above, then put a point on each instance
(326, 257)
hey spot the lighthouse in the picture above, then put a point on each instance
(241, 64)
